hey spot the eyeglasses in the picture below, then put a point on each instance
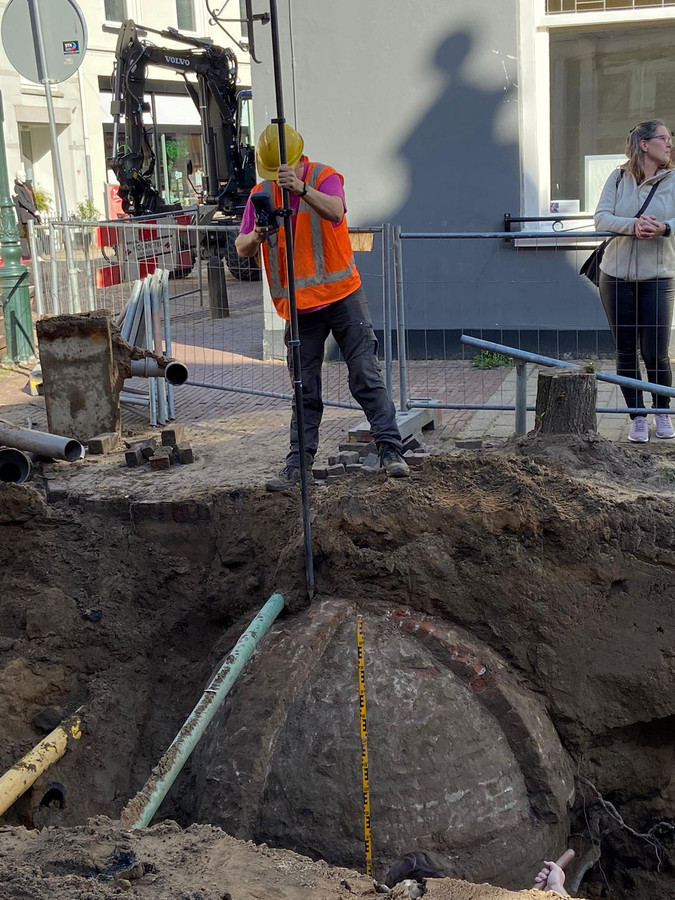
(661, 137)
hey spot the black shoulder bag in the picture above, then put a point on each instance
(591, 268)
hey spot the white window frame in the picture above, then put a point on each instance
(535, 92)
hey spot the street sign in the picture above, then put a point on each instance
(64, 36)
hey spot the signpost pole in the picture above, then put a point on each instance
(47, 82)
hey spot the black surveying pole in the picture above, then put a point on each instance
(294, 342)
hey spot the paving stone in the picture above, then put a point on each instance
(161, 459)
(469, 443)
(183, 453)
(335, 470)
(173, 435)
(353, 468)
(147, 446)
(416, 459)
(320, 472)
(134, 458)
(348, 458)
(56, 491)
(372, 460)
(103, 443)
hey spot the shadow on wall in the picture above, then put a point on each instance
(464, 162)
(462, 177)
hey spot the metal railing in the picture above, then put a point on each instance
(429, 294)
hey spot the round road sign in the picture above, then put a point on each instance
(64, 37)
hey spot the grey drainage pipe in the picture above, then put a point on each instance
(174, 372)
(15, 466)
(52, 445)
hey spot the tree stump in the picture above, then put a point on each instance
(566, 401)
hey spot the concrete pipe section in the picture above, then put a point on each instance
(463, 759)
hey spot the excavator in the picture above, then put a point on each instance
(228, 156)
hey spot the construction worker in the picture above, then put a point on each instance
(328, 293)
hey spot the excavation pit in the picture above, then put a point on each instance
(518, 622)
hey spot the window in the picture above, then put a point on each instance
(580, 6)
(185, 15)
(115, 10)
(604, 81)
(589, 71)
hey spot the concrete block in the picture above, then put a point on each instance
(332, 460)
(414, 420)
(320, 472)
(147, 446)
(161, 459)
(335, 471)
(173, 435)
(81, 375)
(103, 443)
(348, 458)
(372, 460)
(353, 468)
(469, 443)
(183, 453)
(134, 458)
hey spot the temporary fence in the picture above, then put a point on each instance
(425, 290)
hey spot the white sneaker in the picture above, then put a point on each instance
(639, 430)
(664, 427)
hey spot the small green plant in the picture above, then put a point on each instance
(86, 211)
(591, 367)
(487, 359)
(43, 200)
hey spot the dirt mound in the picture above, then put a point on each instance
(100, 861)
(565, 570)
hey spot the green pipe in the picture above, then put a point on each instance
(140, 809)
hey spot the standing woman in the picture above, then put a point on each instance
(638, 268)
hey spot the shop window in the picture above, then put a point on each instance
(602, 82)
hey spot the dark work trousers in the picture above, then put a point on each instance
(349, 321)
(640, 314)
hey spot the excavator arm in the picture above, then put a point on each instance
(227, 165)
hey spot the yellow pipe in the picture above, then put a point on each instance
(26, 771)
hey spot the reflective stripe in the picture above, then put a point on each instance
(273, 250)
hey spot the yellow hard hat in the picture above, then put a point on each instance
(267, 150)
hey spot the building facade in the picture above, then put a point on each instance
(82, 105)
(445, 115)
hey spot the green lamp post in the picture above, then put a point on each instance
(13, 274)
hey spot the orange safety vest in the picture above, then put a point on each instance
(323, 260)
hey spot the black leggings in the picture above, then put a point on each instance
(640, 315)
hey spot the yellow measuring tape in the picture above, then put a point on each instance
(367, 836)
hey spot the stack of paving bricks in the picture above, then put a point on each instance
(360, 455)
(173, 449)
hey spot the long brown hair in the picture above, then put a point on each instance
(643, 131)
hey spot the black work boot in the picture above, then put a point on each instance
(289, 477)
(392, 461)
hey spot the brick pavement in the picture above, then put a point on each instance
(228, 353)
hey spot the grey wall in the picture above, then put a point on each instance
(416, 103)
